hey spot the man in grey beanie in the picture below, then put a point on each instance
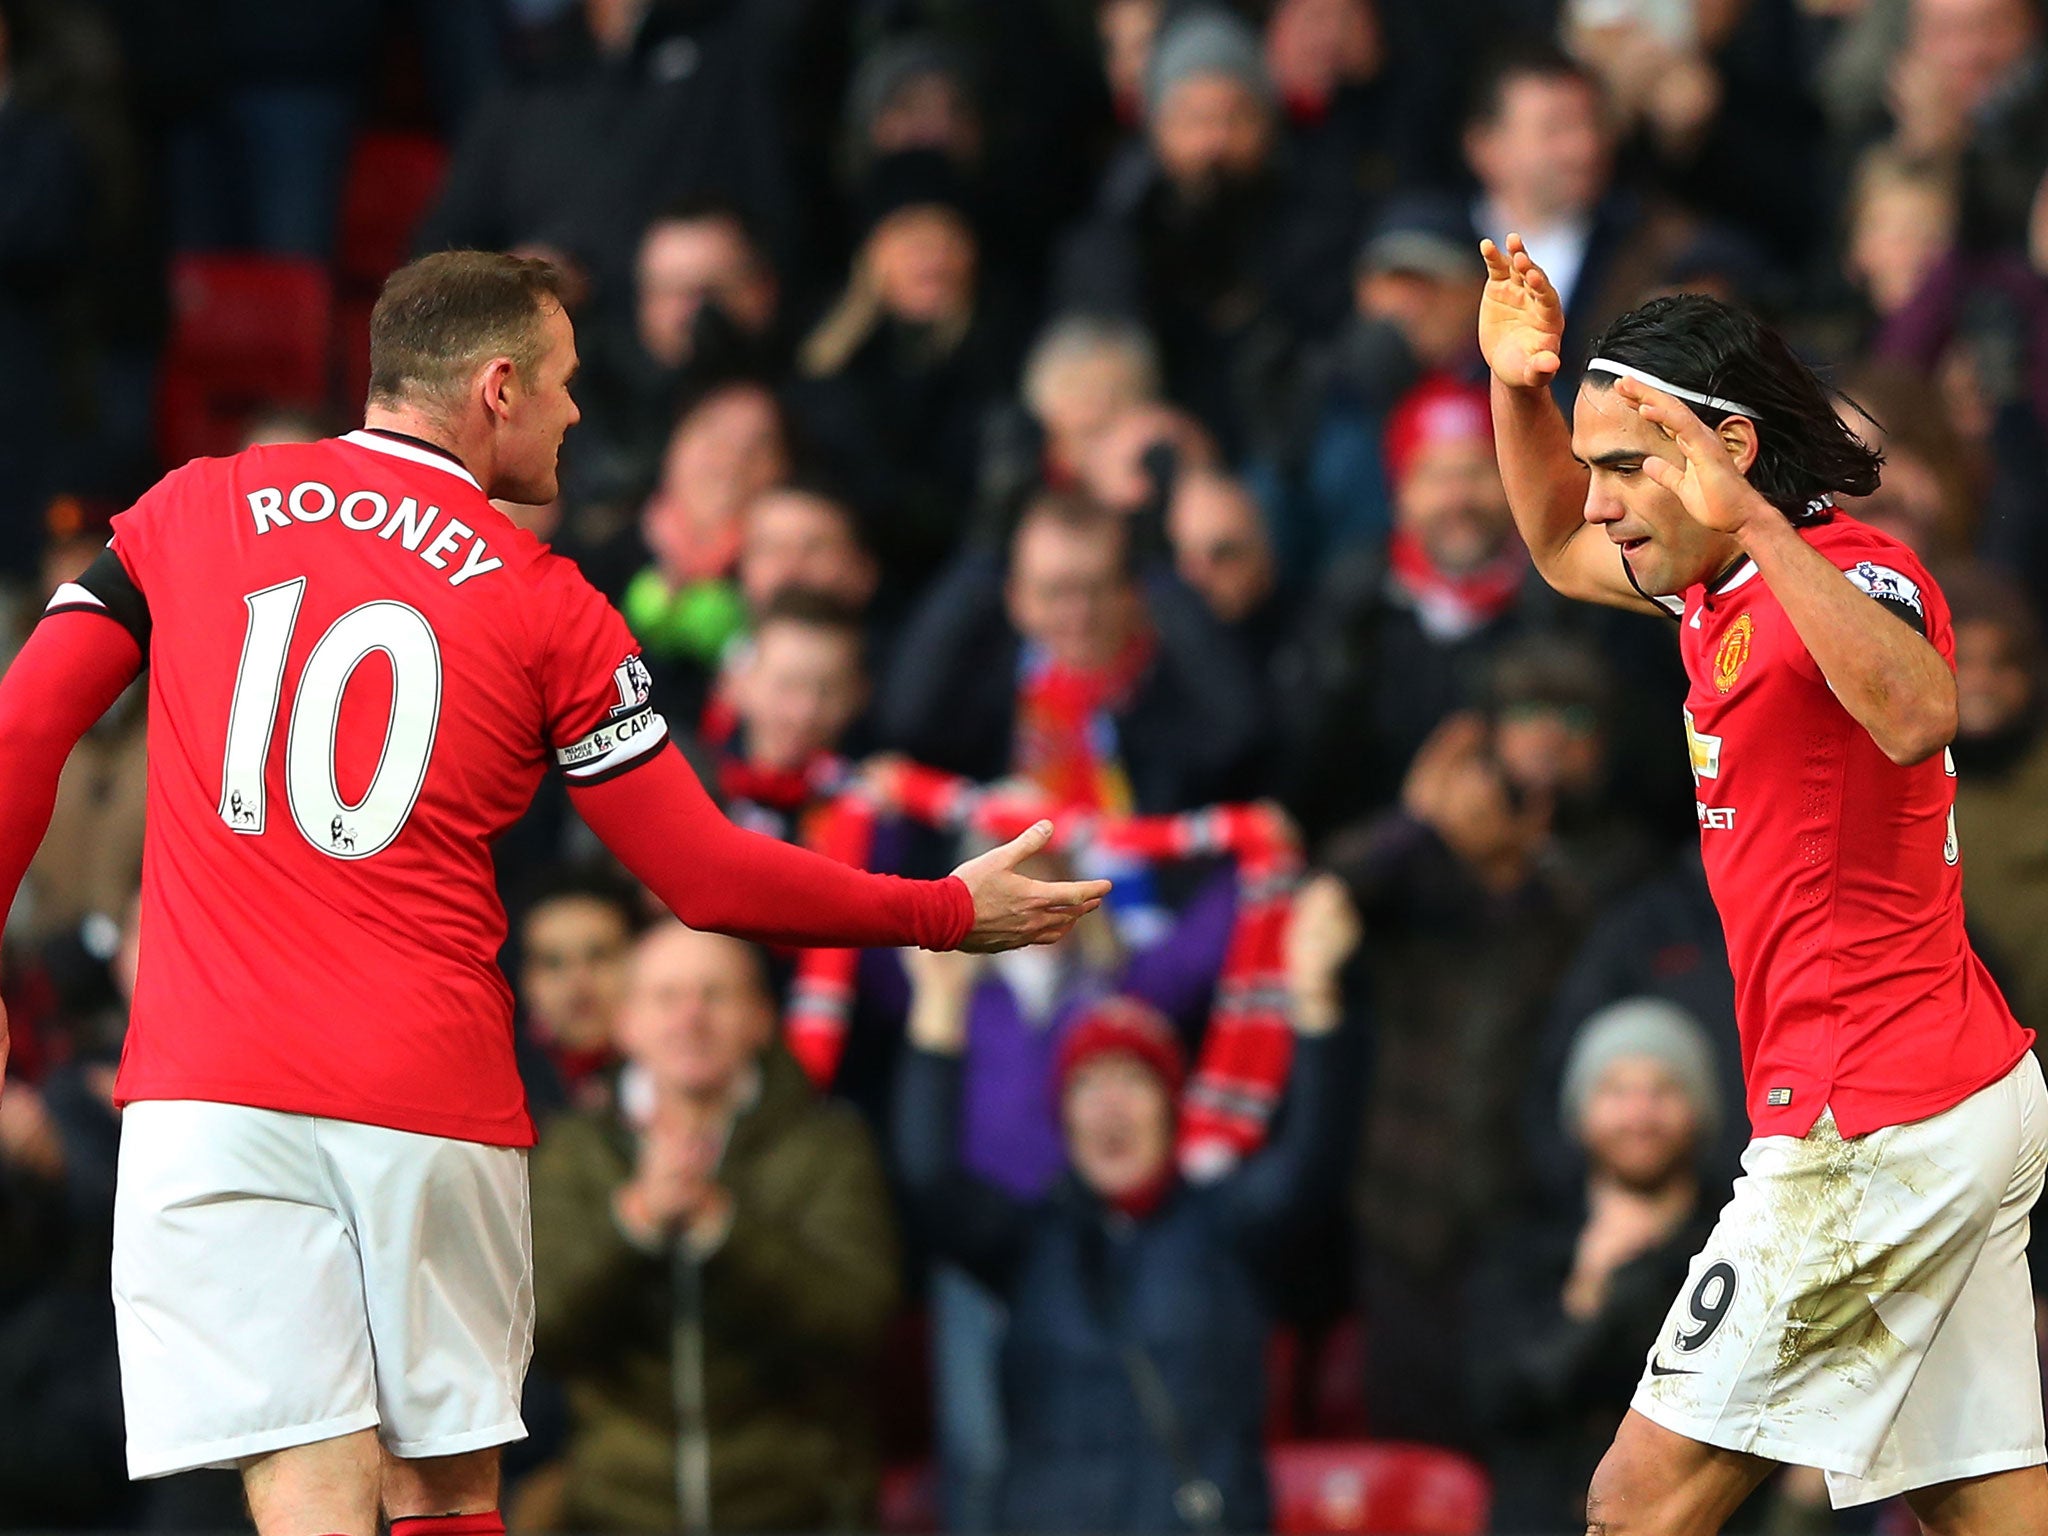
(1641, 1030)
(1568, 1302)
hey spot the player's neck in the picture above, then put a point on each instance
(434, 431)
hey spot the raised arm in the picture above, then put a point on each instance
(1521, 334)
(75, 664)
(713, 875)
(1888, 676)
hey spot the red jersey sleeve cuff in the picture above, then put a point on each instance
(945, 921)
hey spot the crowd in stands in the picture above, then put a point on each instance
(1047, 406)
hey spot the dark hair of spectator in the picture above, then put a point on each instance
(1077, 514)
(443, 316)
(582, 882)
(708, 208)
(814, 483)
(809, 608)
(1529, 59)
(1804, 451)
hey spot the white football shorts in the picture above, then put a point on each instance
(281, 1279)
(1864, 1307)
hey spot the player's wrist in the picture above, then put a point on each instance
(1759, 522)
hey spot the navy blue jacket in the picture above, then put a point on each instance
(1082, 1279)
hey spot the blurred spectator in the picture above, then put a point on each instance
(1414, 293)
(1902, 222)
(912, 92)
(1355, 120)
(1663, 940)
(1127, 29)
(1020, 1009)
(62, 1444)
(1131, 467)
(714, 1269)
(666, 99)
(726, 449)
(799, 535)
(1112, 689)
(1401, 641)
(1551, 701)
(1539, 143)
(1465, 936)
(789, 694)
(1205, 234)
(1569, 1303)
(1697, 88)
(46, 200)
(1082, 375)
(1136, 1311)
(1223, 553)
(2001, 759)
(899, 374)
(704, 309)
(1934, 481)
(283, 425)
(573, 941)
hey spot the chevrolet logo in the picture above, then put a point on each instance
(1704, 750)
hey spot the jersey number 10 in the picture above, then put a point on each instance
(329, 823)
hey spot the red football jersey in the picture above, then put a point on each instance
(351, 653)
(1835, 870)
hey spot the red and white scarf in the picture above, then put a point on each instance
(1452, 607)
(1249, 1046)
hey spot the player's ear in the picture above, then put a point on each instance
(1738, 436)
(498, 384)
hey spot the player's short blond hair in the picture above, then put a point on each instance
(441, 318)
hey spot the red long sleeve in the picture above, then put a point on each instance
(72, 668)
(716, 876)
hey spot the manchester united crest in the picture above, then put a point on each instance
(1733, 653)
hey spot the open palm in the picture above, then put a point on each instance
(1702, 474)
(1521, 322)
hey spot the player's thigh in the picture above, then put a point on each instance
(440, 1485)
(238, 1299)
(444, 1229)
(2013, 1503)
(1653, 1482)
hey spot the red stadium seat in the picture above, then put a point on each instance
(910, 1500)
(1367, 1488)
(392, 178)
(248, 333)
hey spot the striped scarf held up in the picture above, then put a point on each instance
(1249, 1046)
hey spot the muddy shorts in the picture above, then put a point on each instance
(1864, 1307)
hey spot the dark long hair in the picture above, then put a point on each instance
(1804, 451)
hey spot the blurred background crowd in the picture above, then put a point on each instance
(994, 405)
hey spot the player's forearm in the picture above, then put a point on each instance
(72, 668)
(1546, 486)
(1890, 679)
(717, 877)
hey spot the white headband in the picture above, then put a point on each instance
(1713, 402)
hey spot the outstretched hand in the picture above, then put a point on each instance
(1012, 910)
(1703, 474)
(1521, 319)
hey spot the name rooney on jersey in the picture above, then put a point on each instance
(313, 501)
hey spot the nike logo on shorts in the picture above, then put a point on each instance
(1659, 1368)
